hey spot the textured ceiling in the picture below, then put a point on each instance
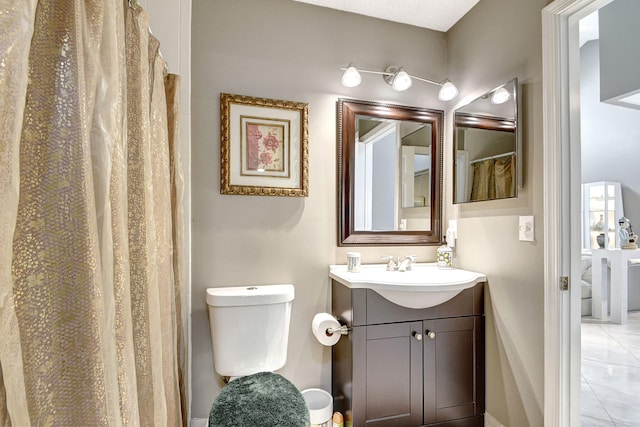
(439, 15)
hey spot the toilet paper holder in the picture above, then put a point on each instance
(342, 330)
(328, 329)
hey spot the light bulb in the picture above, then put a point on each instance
(448, 91)
(351, 77)
(401, 80)
(500, 96)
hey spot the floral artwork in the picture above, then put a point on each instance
(265, 147)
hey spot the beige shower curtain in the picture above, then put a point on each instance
(493, 179)
(90, 237)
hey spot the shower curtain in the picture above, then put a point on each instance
(493, 179)
(90, 218)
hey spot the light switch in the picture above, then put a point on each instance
(525, 228)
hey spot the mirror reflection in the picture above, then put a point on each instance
(392, 175)
(389, 173)
(485, 143)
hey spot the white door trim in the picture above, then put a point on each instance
(560, 56)
(555, 386)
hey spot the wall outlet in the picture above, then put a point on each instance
(525, 228)
(452, 232)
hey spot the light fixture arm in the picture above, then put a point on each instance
(390, 74)
(382, 73)
(433, 82)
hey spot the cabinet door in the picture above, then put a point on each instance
(453, 368)
(393, 373)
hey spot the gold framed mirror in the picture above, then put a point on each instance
(389, 174)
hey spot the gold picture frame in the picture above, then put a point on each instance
(264, 146)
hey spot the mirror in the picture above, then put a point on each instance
(389, 174)
(485, 144)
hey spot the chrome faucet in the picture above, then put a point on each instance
(406, 263)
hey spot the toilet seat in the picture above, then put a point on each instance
(262, 399)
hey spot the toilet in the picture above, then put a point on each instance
(249, 333)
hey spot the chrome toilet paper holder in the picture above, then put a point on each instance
(342, 330)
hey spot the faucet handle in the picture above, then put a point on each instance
(391, 264)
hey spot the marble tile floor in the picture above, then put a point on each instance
(611, 373)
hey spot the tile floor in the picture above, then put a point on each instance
(611, 373)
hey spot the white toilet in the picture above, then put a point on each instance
(249, 328)
(249, 333)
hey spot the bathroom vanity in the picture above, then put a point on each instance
(401, 366)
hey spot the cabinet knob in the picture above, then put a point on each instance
(417, 336)
(430, 334)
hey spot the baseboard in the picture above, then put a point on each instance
(199, 422)
(490, 421)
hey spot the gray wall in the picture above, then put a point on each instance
(282, 49)
(496, 41)
(619, 56)
(610, 136)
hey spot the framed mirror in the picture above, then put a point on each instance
(389, 174)
(486, 148)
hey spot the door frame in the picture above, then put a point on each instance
(562, 198)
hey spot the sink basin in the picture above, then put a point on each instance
(424, 286)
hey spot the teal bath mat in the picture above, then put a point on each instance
(264, 399)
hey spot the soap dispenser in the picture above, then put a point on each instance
(444, 255)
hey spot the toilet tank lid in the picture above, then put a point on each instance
(249, 295)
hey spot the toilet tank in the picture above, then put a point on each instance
(249, 328)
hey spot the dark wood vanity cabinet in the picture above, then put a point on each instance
(409, 367)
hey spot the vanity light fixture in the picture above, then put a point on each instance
(398, 79)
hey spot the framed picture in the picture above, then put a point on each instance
(264, 146)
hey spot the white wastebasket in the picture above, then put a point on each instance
(320, 405)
